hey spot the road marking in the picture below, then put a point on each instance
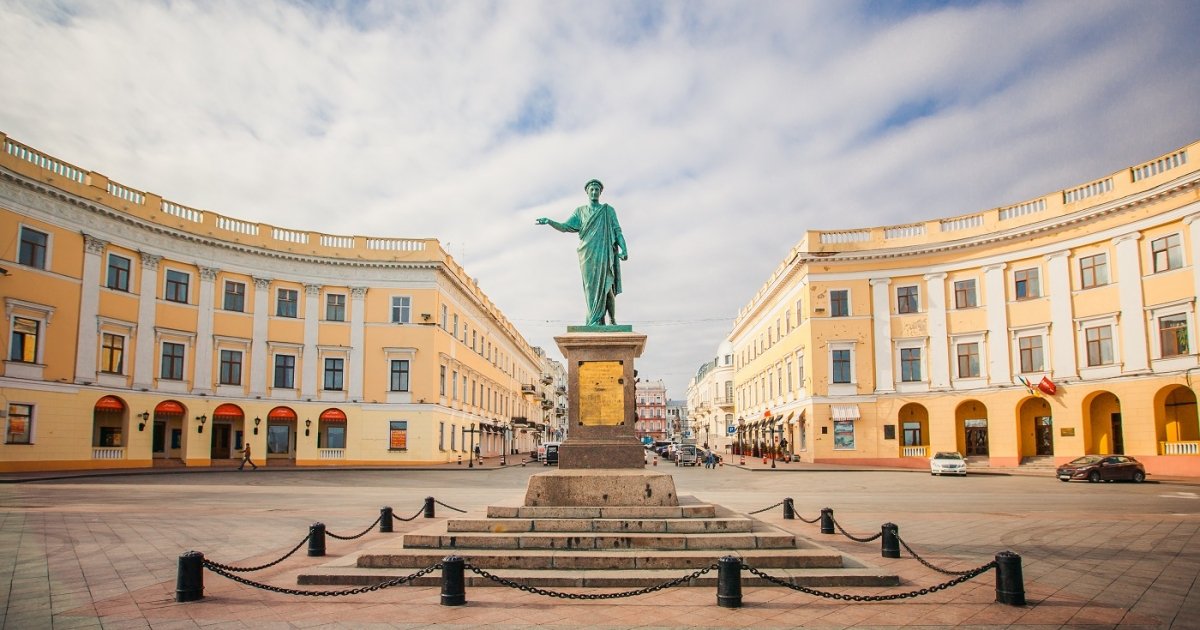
(1180, 495)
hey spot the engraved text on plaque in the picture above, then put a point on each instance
(601, 393)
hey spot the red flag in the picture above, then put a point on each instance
(1047, 385)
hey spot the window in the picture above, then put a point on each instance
(333, 374)
(285, 371)
(287, 303)
(1172, 335)
(912, 434)
(278, 439)
(442, 380)
(118, 272)
(910, 365)
(1099, 345)
(441, 436)
(25, 334)
(399, 375)
(964, 294)
(1027, 285)
(843, 435)
(335, 307)
(454, 330)
(112, 353)
(398, 435)
(1030, 349)
(968, 360)
(336, 437)
(33, 248)
(401, 309)
(445, 317)
(1167, 252)
(800, 370)
(799, 312)
(235, 296)
(454, 437)
(454, 385)
(906, 300)
(172, 361)
(839, 303)
(231, 367)
(177, 286)
(841, 366)
(1093, 271)
(20, 424)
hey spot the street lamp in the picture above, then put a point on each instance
(741, 427)
(771, 427)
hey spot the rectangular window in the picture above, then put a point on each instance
(333, 374)
(278, 439)
(454, 437)
(799, 312)
(231, 367)
(401, 309)
(1168, 253)
(176, 289)
(1099, 345)
(235, 296)
(843, 435)
(287, 303)
(442, 380)
(841, 366)
(285, 371)
(33, 248)
(24, 346)
(20, 424)
(454, 329)
(337, 436)
(910, 365)
(399, 375)
(1173, 335)
(118, 272)
(398, 435)
(441, 436)
(906, 300)
(968, 360)
(1093, 271)
(335, 307)
(112, 353)
(1030, 349)
(454, 385)
(172, 361)
(445, 318)
(839, 303)
(1027, 285)
(964, 294)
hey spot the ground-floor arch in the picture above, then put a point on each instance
(914, 430)
(1035, 428)
(971, 428)
(1102, 425)
(110, 428)
(1176, 425)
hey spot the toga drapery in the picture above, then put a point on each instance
(599, 233)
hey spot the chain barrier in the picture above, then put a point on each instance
(814, 520)
(449, 506)
(873, 598)
(922, 560)
(766, 508)
(855, 538)
(226, 567)
(215, 568)
(414, 516)
(588, 596)
(358, 535)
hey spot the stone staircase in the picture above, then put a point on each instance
(601, 547)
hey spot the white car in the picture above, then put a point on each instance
(947, 463)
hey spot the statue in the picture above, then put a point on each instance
(601, 250)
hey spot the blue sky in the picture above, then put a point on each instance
(722, 130)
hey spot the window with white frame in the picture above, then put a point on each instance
(334, 373)
(839, 303)
(1093, 271)
(285, 371)
(967, 353)
(800, 370)
(287, 303)
(335, 307)
(112, 353)
(1026, 284)
(1173, 335)
(398, 375)
(176, 287)
(907, 300)
(1167, 252)
(910, 365)
(231, 367)
(1099, 344)
(842, 365)
(25, 341)
(171, 367)
(401, 309)
(235, 296)
(118, 272)
(445, 318)
(965, 295)
(1029, 349)
(33, 248)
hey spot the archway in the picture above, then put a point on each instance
(331, 433)
(228, 431)
(971, 428)
(1176, 426)
(914, 430)
(281, 433)
(1103, 432)
(170, 438)
(110, 428)
(1035, 428)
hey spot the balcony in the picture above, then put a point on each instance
(915, 451)
(547, 379)
(331, 453)
(108, 452)
(1179, 448)
(529, 389)
(725, 402)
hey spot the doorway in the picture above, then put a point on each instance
(221, 433)
(976, 437)
(159, 439)
(1044, 435)
(1118, 435)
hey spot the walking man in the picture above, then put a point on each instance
(246, 458)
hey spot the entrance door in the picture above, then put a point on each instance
(159, 439)
(1118, 437)
(280, 441)
(220, 441)
(1044, 428)
(975, 435)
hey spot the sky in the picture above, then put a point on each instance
(722, 130)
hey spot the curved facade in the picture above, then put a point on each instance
(143, 332)
(710, 400)
(1021, 336)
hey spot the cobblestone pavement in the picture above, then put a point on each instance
(101, 552)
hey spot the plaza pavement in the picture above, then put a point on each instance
(96, 552)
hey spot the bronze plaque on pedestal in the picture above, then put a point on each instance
(601, 393)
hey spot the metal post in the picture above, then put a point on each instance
(316, 539)
(1010, 583)
(454, 586)
(385, 520)
(429, 513)
(891, 540)
(789, 509)
(729, 582)
(826, 520)
(189, 580)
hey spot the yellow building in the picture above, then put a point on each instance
(1024, 335)
(142, 332)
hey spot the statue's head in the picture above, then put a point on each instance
(593, 182)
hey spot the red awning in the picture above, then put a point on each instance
(110, 403)
(281, 413)
(228, 410)
(168, 408)
(333, 415)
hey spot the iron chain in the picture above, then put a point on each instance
(449, 506)
(766, 508)
(212, 566)
(873, 598)
(226, 567)
(401, 518)
(358, 535)
(814, 520)
(588, 596)
(855, 538)
(922, 560)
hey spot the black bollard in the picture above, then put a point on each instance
(789, 509)
(826, 520)
(316, 539)
(729, 582)
(189, 581)
(891, 540)
(1010, 583)
(385, 520)
(454, 587)
(429, 513)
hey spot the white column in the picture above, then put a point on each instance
(358, 320)
(1128, 264)
(258, 346)
(143, 365)
(312, 294)
(89, 307)
(881, 314)
(1193, 223)
(939, 342)
(203, 382)
(999, 370)
(1062, 330)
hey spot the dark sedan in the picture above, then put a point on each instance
(1103, 467)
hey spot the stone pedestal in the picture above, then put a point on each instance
(603, 488)
(601, 400)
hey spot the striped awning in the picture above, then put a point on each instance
(110, 403)
(844, 412)
(229, 412)
(168, 408)
(333, 415)
(281, 413)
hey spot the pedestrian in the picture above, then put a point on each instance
(246, 458)
(711, 460)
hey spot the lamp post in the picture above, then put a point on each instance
(771, 428)
(471, 453)
(740, 429)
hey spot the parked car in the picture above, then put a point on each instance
(1103, 467)
(948, 463)
(551, 458)
(685, 455)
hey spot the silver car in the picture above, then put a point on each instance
(947, 463)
